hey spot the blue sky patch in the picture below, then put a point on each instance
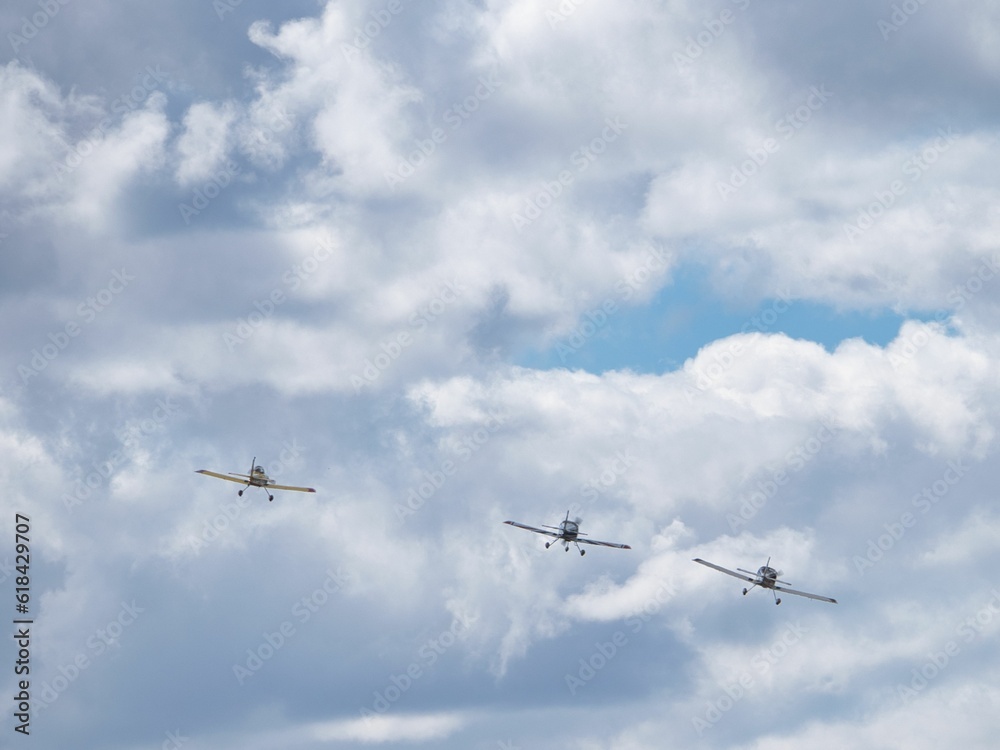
(688, 315)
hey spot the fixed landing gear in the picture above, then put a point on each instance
(583, 552)
(565, 546)
(744, 592)
(777, 601)
(270, 497)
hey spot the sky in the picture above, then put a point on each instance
(719, 278)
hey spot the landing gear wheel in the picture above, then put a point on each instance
(583, 552)
(777, 601)
(240, 493)
(270, 498)
(547, 545)
(565, 549)
(744, 592)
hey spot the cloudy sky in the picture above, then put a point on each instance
(721, 278)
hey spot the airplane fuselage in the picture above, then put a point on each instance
(569, 531)
(768, 577)
(259, 478)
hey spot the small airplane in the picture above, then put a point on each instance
(767, 578)
(256, 478)
(567, 531)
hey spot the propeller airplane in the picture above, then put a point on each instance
(256, 478)
(767, 578)
(567, 532)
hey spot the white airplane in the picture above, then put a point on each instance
(256, 478)
(567, 531)
(767, 578)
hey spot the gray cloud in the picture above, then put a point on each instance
(320, 234)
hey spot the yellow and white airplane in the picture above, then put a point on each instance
(256, 478)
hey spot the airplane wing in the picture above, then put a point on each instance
(287, 487)
(603, 544)
(732, 573)
(803, 593)
(217, 475)
(532, 528)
